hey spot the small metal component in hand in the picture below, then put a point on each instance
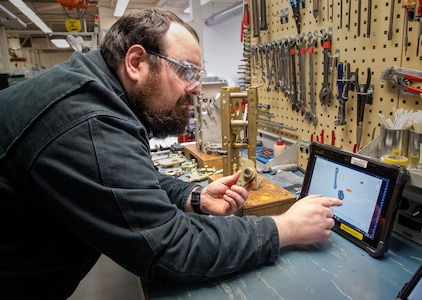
(248, 172)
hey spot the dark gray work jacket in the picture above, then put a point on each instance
(77, 180)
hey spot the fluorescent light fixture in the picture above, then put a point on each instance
(31, 15)
(203, 2)
(120, 7)
(60, 43)
(13, 17)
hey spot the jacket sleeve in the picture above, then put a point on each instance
(99, 181)
(176, 189)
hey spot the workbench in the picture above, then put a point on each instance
(332, 269)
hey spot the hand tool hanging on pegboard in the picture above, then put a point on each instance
(268, 64)
(296, 13)
(390, 21)
(325, 94)
(343, 86)
(261, 52)
(301, 45)
(263, 24)
(349, 14)
(409, 9)
(334, 59)
(403, 77)
(315, 8)
(365, 95)
(255, 18)
(279, 66)
(312, 39)
(359, 16)
(368, 21)
(419, 20)
(295, 102)
(285, 68)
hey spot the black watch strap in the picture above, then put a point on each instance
(196, 200)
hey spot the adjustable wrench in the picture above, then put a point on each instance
(301, 45)
(312, 118)
(325, 95)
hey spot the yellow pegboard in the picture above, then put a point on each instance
(362, 50)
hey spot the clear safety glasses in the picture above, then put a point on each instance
(192, 73)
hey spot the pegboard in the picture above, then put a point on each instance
(355, 45)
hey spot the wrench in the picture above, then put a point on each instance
(268, 60)
(295, 104)
(311, 47)
(325, 95)
(285, 82)
(254, 59)
(277, 62)
(261, 56)
(301, 43)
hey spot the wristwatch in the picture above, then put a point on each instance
(196, 200)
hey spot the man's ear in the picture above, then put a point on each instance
(136, 62)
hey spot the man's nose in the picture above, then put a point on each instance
(193, 90)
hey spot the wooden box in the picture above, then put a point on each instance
(268, 200)
(203, 159)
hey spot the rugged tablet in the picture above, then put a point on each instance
(370, 190)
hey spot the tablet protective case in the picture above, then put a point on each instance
(370, 189)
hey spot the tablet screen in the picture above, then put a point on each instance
(363, 195)
(370, 190)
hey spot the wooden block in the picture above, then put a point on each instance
(268, 200)
(203, 159)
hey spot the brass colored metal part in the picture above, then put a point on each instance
(248, 172)
(238, 126)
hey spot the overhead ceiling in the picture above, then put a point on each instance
(54, 14)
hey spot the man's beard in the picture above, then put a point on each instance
(165, 121)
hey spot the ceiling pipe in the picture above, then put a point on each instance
(225, 14)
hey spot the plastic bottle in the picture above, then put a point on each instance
(279, 148)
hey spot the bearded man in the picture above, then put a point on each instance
(77, 179)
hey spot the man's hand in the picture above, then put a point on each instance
(307, 221)
(223, 197)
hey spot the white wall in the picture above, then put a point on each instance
(223, 50)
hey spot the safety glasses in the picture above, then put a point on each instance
(192, 73)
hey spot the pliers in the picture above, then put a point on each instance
(363, 98)
(402, 79)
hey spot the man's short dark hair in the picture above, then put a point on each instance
(145, 27)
